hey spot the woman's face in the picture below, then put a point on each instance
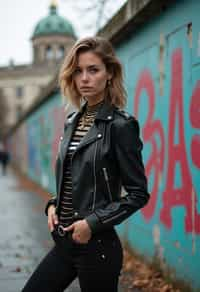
(91, 76)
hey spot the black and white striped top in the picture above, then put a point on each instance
(83, 126)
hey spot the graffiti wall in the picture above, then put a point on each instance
(162, 73)
(34, 145)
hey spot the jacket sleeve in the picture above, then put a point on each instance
(127, 150)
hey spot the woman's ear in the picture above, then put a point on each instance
(110, 75)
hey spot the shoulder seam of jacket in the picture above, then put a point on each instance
(124, 114)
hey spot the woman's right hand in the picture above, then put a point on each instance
(52, 217)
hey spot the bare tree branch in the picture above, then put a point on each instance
(93, 14)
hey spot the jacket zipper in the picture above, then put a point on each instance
(58, 196)
(107, 182)
(114, 216)
(95, 179)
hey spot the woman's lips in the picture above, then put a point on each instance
(85, 88)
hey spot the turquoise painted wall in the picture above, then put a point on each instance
(162, 75)
(34, 145)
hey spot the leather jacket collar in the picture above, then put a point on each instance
(104, 113)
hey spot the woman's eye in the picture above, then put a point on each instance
(93, 70)
(77, 71)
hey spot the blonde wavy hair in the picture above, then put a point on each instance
(115, 92)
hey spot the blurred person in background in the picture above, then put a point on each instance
(99, 152)
(4, 158)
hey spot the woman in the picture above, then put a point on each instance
(100, 152)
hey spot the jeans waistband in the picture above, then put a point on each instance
(108, 233)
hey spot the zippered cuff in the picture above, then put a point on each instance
(94, 223)
(50, 202)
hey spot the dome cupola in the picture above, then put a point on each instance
(52, 37)
(53, 24)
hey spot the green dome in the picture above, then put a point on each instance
(53, 24)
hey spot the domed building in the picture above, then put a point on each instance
(21, 85)
(52, 37)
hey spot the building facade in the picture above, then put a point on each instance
(21, 85)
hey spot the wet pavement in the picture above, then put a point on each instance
(25, 238)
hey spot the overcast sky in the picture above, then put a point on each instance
(18, 19)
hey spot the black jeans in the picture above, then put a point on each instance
(97, 265)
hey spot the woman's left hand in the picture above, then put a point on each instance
(81, 232)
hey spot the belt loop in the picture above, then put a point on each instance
(61, 230)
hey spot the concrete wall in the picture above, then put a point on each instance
(162, 74)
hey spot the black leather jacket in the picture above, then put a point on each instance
(107, 158)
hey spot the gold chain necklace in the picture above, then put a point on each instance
(85, 120)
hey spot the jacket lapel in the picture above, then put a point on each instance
(71, 125)
(91, 136)
(105, 113)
